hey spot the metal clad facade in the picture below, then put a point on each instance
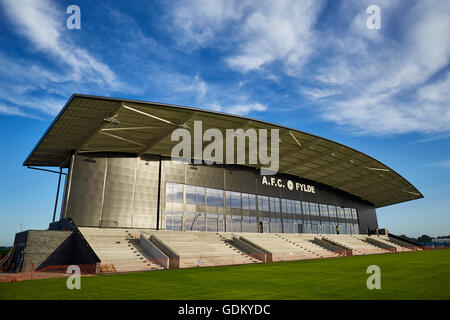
(114, 190)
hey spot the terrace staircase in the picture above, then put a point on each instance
(118, 250)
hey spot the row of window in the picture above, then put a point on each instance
(180, 193)
(199, 221)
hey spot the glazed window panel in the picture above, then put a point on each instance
(274, 204)
(178, 191)
(169, 192)
(324, 210)
(190, 194)
(265, 203)
(332, 212)
(284, 207)
(212, 197)
(189, 218)
(298, 207)
(354, 214)
(200, 222)
(235, 200)
(306, 208)
(245, 201)
(200, 195)
(252, 201)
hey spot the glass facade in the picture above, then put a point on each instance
(196, 208)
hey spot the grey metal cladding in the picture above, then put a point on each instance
(86, 190)
(146, 192)
(119, 186)
(110, 190)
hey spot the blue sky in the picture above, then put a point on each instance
(310, 65)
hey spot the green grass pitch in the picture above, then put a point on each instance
(411, 275)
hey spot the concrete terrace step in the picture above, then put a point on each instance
(202, 248)
(119, 248)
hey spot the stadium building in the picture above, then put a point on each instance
(123, 191)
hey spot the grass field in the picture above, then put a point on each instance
(411, 275)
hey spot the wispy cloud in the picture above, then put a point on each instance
(442, 164)
(264, 32)
(392, 85)
(39, 83)
(244, 109)
(42, 22)
(318, 93)
(388, 81)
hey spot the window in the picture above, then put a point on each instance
(200, 195)
(245, 202)
(340, 212)
(275, 226)
(306, 208)
(263, 203)
(190, 194)
(291, 206)
(314, 226)
(174, 221)
(214, 222)
(288, 226)
(233, 199)
(332, 212)
(178, 190)
(348, 213)
(253, 224)
(287, 205)
(354, 214)
(298, 207)
(284, 208)
(214, 197)
(314, 207)
(169, 192)
(274, 204)
(324, 211)
(252, 201)
(236, 223)
(246, 224)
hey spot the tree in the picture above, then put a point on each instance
(425, 238)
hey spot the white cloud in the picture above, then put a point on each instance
(244, 109)
(318, 93)
(200, 20)
(442, 164)
(264, 32)
(392, 85)
(13, 111)
(42, 23)
(278, 30)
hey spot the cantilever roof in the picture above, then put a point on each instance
(95, 124)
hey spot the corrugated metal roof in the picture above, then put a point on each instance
(95, 124)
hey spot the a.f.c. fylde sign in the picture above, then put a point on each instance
(278, 182)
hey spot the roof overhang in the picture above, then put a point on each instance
(100, 124)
